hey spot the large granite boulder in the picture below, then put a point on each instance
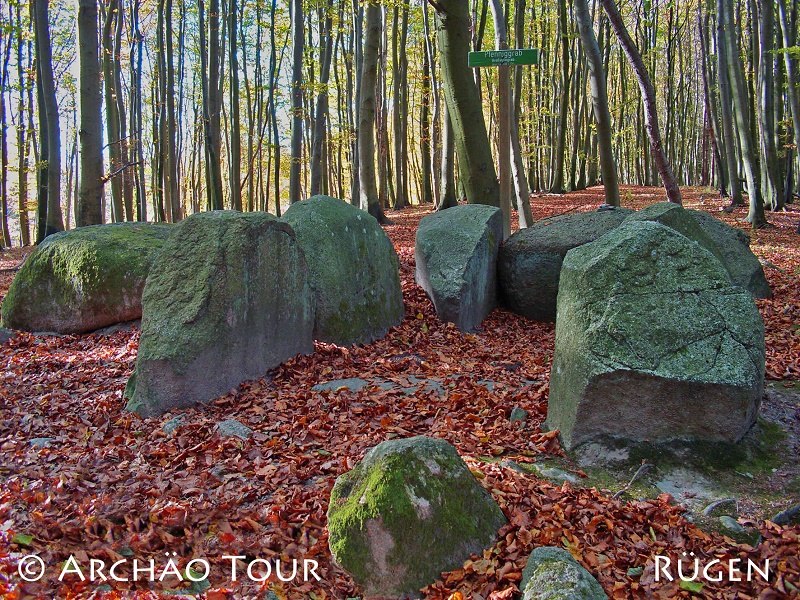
(408, 511)
(227, 299)
(456, 255)
(553, 574)
(734, 251)
(529, 264)
(730, 246)
(81, 280)
(653, 343)
(353, 270)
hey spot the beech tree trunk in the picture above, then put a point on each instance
(90, 198)
(602, 117)
(476, 166)
(366, 114)
(296, 160)
(648, 100)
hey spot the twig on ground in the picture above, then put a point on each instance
(643, 468)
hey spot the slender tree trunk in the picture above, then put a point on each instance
(125, 148)
(318, 165)
(447, 178)
(296, 160)
(50, 219)
(137, 51)
(741, 111)
(171, 177)
(789, 35)
(766, 123)
(648, 100)
(5, 238)
(22, 139)
(557, 185)
(425, 129)
(518, 164)
(602, 116)
(723, 74)
(366, 114)
(112, 117)
(235, 177)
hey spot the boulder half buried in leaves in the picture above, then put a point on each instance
(226, 300)
(81, 280)
(529, 265)
(408, 511)
(730, 246)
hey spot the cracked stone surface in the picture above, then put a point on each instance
(653, 343)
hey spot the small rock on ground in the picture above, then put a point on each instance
(232, 428)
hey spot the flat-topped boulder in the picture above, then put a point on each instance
(529, 265)
(729, 245)
(456, 254)
(227, 299)
(653, 343)
(408, 511)
(84, 279)
(353, 270)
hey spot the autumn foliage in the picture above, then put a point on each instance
(110, 485)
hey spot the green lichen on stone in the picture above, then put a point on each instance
(730, 246)
(553, 574)
(226, 299)
(410, 510)
(653, 342)
(353, 268)
(456, 262)
(734, 245)
(81, 280)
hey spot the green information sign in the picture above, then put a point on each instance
(495, 58)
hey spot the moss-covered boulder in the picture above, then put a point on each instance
(734, 247)
(353, 270)
(81, 280)
(529, 264)
(653, 343)
(553, 574)
(226, 299)
(456, 255)
(407, 512)
(730, 246)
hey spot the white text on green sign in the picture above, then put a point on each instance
(495, 58)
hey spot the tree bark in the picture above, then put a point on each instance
(320, 137)
(478, 175)
(296, 160)
(602, 116)
(366, 114)
(557, 185)
(235, 177)
(648, 100)
(743, 117)
(90, 204)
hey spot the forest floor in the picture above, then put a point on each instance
(79, 476)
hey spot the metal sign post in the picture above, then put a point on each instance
(502, 58)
